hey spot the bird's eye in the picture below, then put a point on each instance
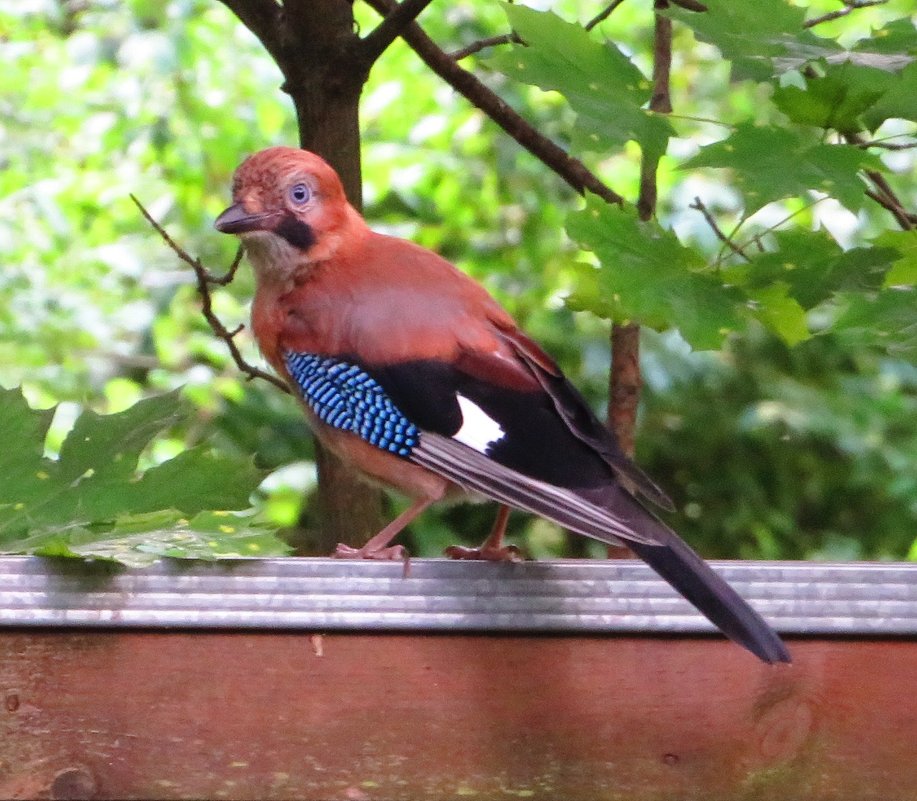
(300, 193)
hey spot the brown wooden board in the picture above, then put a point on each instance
(245, 715)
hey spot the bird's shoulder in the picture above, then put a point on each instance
(389, 300)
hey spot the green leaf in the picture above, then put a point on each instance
(141, 539)
(21, 467)
(598, 81)
(885, 319)
(898, 101)
(774, 307)
(813, 267)
(760, 158)
(829, 102)
(110, 446)
(875, 81)
(903, 271)
(760, 37)
(197, 480)
(92, 501)
(648, 276)
(896, 38)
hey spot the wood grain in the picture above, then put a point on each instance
(115, 714)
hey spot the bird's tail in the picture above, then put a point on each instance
(673, 559)
(612, 515)
(708, 591)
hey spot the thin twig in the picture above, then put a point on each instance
(689, 5)
(391, 27)
(204, 281)
(573, 171)
(849, 5)
(888, 145)
(883, 193)
(904, 219)
(756, 238)
(603, 14)
(698, 205)
(482, 44)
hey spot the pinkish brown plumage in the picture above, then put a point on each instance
(416, 377)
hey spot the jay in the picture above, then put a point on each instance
(412, 374)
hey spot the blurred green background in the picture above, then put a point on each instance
(768, 451)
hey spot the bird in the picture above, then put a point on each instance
(414, 375)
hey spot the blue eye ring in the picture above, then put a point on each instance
(300, 194)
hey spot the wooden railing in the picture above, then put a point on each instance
(322, 679)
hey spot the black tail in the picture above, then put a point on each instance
(723, 606)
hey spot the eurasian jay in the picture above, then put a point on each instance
(412, 374)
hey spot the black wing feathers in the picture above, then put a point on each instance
(425, 390)
(479, 473)
(585, 426)
(537, 442)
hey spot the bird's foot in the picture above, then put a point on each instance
(488, 553)
(390, 552)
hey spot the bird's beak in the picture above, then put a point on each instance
(236, 220)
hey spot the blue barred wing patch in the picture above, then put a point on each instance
(344, 396)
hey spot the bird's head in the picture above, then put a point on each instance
(290, 210)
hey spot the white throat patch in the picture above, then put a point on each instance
(271, 255)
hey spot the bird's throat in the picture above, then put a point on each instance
(275, 260)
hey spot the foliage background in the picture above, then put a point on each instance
(769, 448)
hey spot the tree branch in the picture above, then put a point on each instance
(904, 219)
(513, 37)
(626, 381)
(573, 171)
(262, 18)
(849, 5)
(204, 281)
(482, 44)
(660, 102)
(393, 24)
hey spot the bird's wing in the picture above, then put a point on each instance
(485, 423)
(576, 413)
(538, 447)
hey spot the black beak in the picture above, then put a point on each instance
(236, 220)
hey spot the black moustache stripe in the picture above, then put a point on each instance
(296, 232)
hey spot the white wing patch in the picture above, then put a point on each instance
(479, 430)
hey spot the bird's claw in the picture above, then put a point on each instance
(504, 553)
(391, 552)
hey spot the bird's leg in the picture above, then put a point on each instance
(492, 549)
(378, 546)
